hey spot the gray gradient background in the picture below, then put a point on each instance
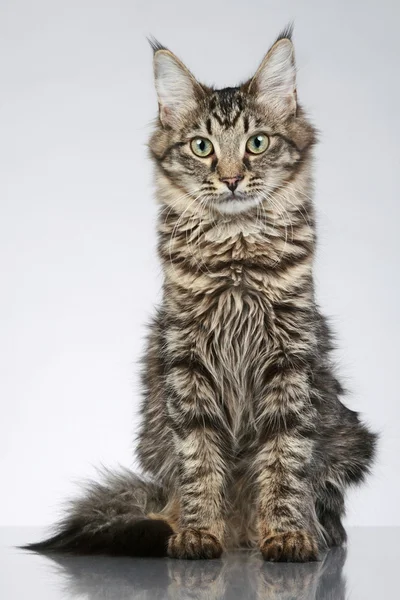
(79, 274)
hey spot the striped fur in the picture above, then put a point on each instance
(243, 429)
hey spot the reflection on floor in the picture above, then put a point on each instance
(237, 575)
(367, 570)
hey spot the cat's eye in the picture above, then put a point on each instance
(201, 147)
(257, 144)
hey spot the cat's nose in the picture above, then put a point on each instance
(232, 182)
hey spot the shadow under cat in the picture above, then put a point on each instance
(237, 575)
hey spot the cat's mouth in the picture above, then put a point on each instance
(236, 202)
(232, 196)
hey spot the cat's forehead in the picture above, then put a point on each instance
(229, 112)
(224, 115)
(226, 106)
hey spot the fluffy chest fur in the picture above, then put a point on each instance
(225, 286)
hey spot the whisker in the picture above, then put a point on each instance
(175, 229)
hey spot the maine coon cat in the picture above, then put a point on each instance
(244, 439)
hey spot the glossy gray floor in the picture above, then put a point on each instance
(368, 569)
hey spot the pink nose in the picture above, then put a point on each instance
(232, 182)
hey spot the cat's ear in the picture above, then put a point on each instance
(177, 90)
(275, 80)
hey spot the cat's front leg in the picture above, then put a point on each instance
(200, 445)
(288, 527)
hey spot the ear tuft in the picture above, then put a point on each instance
(286, 33)
(177, 89)
(275, 80)
(155, 44)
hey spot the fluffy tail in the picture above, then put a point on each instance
(111, 518)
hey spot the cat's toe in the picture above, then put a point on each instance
(290, 546)
(194, 544)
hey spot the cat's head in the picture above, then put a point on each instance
(228, 150)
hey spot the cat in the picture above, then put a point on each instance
(244, 440)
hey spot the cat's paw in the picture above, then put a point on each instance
(193, 544)
(290, 546)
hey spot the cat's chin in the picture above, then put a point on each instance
(233, 205)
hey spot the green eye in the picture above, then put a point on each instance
(258, 143)
(201, 147)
